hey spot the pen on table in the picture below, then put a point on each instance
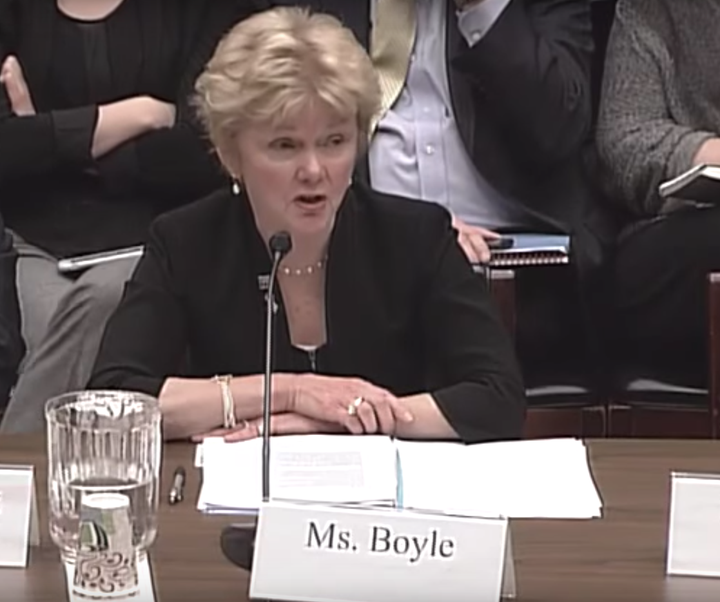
(178, 485)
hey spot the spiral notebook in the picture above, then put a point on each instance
(533, 249)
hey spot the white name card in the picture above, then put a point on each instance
(18, 515)
(313, 553)
(694, 525)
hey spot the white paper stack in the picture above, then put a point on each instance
(538, 478)
(330, 469)
(544, 478)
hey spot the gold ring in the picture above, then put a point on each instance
(353, 407)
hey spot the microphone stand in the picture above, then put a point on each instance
(237, 541)
(280, 245)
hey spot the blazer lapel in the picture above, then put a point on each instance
(460, 94)
(42, 22)
(354, 294)
(260, 265)
(341, 291)
(132, 60)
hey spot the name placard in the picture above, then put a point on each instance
(694, 525)
(18, 515)
(315, 553)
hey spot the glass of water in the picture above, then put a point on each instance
(102, 442)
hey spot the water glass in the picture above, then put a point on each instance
(102, 442)
(106, 562)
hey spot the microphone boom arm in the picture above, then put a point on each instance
(280, 245)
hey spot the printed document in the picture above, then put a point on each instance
(314, 468)
(537, 478)
(543, 478)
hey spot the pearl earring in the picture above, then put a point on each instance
(235, 187)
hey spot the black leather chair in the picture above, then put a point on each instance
(657, 401)
(562, 398)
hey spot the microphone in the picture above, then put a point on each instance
(237, 542)
(280, 245)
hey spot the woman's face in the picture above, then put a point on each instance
(296, 172)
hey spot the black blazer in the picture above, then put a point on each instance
(404, 310)
(156, 48)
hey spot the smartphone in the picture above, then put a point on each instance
(501, 244)
(68, 265)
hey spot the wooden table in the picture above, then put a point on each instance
(618, 557)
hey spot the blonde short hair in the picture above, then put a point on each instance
(277, 61)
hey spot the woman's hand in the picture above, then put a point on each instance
(12, 77)
(474, 240)
(352, 403)
(708, 153)
(280, 424)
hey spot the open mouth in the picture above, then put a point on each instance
(310, 200)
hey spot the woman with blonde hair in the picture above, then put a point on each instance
(381, 324)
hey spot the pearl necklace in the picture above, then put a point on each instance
(306, 271)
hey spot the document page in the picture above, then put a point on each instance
(543, 478)
(342, 469)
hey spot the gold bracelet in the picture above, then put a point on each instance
(227, 400)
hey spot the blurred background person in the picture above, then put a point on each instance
(96, 139)
(660, 116)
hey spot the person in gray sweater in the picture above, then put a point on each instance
(659, 116)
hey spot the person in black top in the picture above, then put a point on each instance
(96, 139)
(382, 325)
